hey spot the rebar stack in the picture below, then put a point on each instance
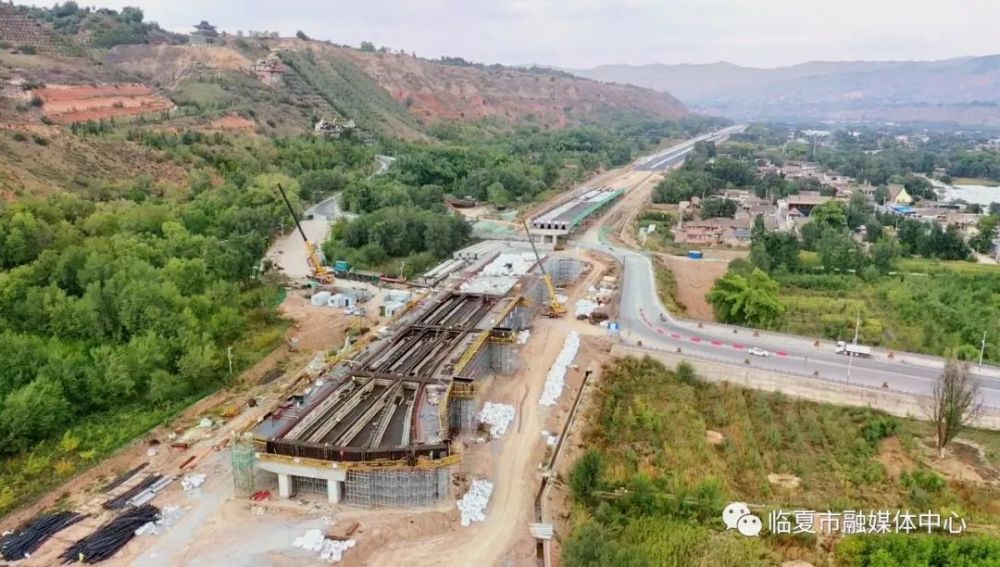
(31, 535)
(122, 500)
(111, 537)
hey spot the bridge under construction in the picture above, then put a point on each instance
(376, 428)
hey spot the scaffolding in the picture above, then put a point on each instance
(564, 271)
(504, 359)
(308, 485)
(244, 471)
(397, 487)
(462, 414)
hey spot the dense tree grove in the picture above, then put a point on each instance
(404, 222)
(125, 299)
(109, 304)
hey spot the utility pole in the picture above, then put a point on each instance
(850, 355)
(229, 355)
(982, 349)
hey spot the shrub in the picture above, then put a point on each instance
(27, 49)
(37, 101)
(585, 478)
(879, 428)
(686, 373)
(923, 479)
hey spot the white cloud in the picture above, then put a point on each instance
(581, 33)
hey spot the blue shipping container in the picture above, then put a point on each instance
(695, 255)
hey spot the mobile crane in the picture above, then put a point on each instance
(320, 272)
(555, 308)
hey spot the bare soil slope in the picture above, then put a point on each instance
(435, 91)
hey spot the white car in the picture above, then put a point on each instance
(758, 351)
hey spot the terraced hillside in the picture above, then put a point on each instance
(18, 30)
(69, 104)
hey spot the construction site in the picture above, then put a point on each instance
(553, 226)
(376, 428)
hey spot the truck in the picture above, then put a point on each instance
(852, 349)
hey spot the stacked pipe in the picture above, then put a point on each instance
(31, 535)
(111, 537)
(122, 478)
(122, 500)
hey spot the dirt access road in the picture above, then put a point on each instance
(516, 458)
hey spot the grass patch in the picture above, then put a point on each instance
(203, 95)
(651, 488)
(666, 288)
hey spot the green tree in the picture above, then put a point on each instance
(987, 226)
(759, 256)
(751, 301)
(497, 195)
(716, 207)
(831, 214)
(884, 253)
(586, 476)
(32, 413)
(838, 251)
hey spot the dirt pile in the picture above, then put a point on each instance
(68, 104)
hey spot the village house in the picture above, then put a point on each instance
(898, 195)
(715, 232)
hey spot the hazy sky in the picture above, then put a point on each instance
(584, 33)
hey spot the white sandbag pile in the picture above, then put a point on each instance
(497, 416)
(473, 505)
(192, 481)
(550, 438)
(523, 336)
(584, 308)
(557, 374)
(331, 551)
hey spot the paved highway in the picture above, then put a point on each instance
(674, 155)
(643, 318)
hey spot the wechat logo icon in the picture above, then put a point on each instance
(737, 516)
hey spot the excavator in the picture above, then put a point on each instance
(321, 273)
(555, 308)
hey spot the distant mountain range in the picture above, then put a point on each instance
(963, 90)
